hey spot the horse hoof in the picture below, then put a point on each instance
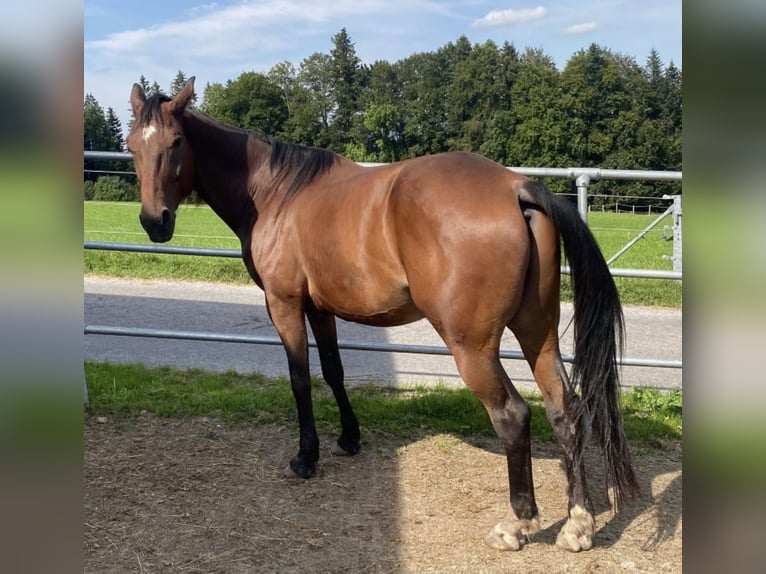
(573, 543)
(338, 450)
(288, 472)
(577, 532)
(302, 473)
(512, 533)
(500, 540)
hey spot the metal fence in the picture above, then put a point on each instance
(582, 176)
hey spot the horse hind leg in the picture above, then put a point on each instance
(510, 417)
(536, 328)
(561, 406)
(325, 333)
(482, 372)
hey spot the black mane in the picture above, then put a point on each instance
(150, 111)
(301, 163)
(297, 163)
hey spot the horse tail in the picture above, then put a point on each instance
(598, 335)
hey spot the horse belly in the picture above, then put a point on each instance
(367, 301)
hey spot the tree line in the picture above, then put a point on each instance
(602, 110)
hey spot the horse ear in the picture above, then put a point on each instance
(137, 98)
(183, 97)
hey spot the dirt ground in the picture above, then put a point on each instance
(195, 495)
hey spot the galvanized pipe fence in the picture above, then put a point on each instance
(582, 176)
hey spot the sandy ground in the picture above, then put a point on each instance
(195, 495)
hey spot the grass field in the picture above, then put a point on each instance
(198, 226)
(126, 390)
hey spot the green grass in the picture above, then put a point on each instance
(198, 226)
(126, 390)
(615, 230)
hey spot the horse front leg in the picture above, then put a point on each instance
(288, 318)
(326, 335)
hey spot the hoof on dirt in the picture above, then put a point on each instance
(502, 540)
(289, 472)
(573, 543)
(577, 532)
(512, 533)
(338, 450)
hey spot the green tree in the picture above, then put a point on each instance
(251, 101)
(115, 130)
(313, 101)
(672, 113)
(346, 75)
(378, 132)
(602, 110)
(480, 88)
(97, 136)
(303, 92)
(382, 142)
(212, 95)
(102, 132)
(539, 133)
(425, 80)
(595, 90)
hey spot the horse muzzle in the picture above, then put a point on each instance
(160, 226)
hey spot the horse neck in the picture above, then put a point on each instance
(222, 163)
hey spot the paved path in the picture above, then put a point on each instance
(239, 309)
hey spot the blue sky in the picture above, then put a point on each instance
(217, 41)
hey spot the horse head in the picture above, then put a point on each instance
(162, 156)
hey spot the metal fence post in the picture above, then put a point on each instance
(677, 232)
(582, 182)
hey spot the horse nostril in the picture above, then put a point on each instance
(165, 217)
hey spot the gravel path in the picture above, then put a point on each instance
(239, 309)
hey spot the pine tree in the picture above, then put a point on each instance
(345, 68)
(115, 129)
(97, 136)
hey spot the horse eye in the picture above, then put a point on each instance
(176, 142)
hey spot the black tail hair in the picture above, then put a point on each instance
(598, 334)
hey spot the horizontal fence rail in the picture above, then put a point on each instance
(350, 345)
(582, 176)
(236, 253)
(567, 172)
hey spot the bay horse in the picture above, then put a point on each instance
(454, 238)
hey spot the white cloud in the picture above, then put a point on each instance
(500, 18)
(582, 28)
(227, 26)
(218, 40)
